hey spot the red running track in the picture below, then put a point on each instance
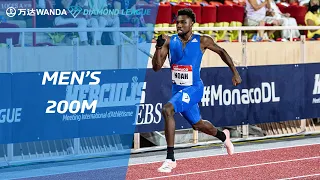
(280, 163)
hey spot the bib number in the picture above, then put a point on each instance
(182, 75)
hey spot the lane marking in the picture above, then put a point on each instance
(297, 177)
(236, 167)
(223, 154)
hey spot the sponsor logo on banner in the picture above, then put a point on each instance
(12, 12)
(148, 113)
(10, 115)
(316, 89)
(216, 95)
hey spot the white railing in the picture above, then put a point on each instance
(244, 28)
(153, 29)
(130, 29)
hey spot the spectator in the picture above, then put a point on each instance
(92, 21)
(44, 20)
(81, 22)
(303, 2)
(256, 16)
(135, 20)
(312, 18)
(106, 20)
(284, 20)
(41, 4)
(132, 20)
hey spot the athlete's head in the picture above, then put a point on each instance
(185, 20)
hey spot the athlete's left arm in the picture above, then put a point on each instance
(208, 43)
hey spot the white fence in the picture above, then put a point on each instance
(155, 29)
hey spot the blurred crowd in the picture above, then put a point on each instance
(209, 13)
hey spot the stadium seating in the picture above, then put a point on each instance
(163, 19)
(297, 12)
(208, 17)
(213, 14)
(216, 14)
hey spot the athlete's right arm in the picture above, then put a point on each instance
(162, 50)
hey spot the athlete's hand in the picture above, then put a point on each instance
(236, 79)
(161, 40)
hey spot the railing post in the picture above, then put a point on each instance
(303, 49)
(75, 43)
(22, 39)
(136, 141)
(302, 60)
(94, 37)
(244, 40)
(120, 50)
(240, 36)
(136, 37)
(245, 127)
(9, 70)
(9, 55)
(195, 136)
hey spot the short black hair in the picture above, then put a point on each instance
(188, 12)
(309, 6)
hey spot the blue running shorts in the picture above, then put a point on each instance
(185, 101)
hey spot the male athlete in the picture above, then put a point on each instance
(185, 51)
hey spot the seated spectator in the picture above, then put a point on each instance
(41, 4)
(82, 22)
(106, 20)
(42, 21)
(303, 2)
(312, 18)
(256, 16)
(125, 5)
(132, 20)
(284, 20)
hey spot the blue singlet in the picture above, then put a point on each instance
(187, 86)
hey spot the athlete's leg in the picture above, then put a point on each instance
(194, 118)
(180, 101)
(169, 129)
(205, 126)
(170, 126)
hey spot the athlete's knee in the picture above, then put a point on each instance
(198, 125)
(201, 125)
(168, 110)
(205, 126)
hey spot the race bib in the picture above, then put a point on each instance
(182, 74)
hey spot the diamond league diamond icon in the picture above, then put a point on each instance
(74, 10)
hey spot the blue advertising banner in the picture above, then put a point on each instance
(277, 95)
(267, 94)
(311, 96)
(59, 105)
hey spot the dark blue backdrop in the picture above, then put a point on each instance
(287, 95)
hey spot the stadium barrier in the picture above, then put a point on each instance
(265, 82)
